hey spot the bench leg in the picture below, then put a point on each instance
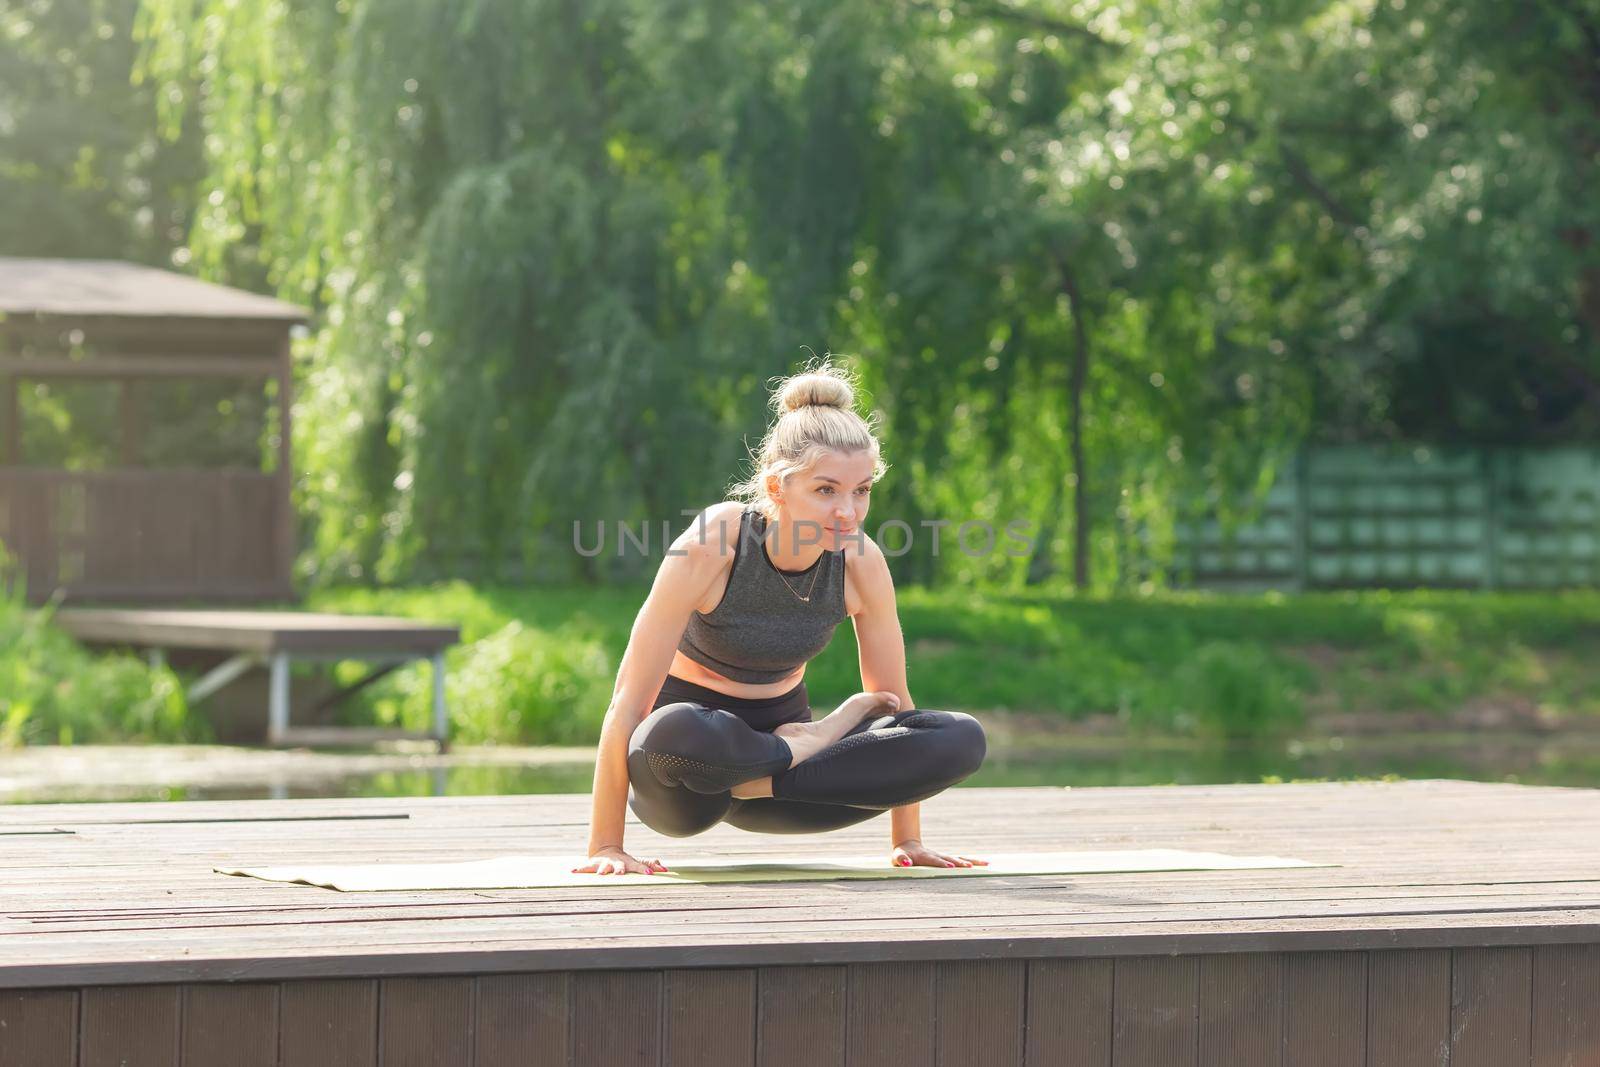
(441, 717)
(278, 699)
(221, 675)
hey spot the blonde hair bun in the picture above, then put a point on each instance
(826, 387)
(816, 413)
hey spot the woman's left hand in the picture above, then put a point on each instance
(916, 854)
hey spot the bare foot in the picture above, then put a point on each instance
(806, 739)
(753, 789)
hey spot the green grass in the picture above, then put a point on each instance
(538, 665)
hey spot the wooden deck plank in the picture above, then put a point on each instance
(874, 918)
(423, 1022)
(521, 1020)
(232, 1024)
(244, 901)
(890, 1013)
(1069, 1012)
(1325, 1009)
(39, 1028)
(617, 1019)
(1005, 896)
(1491, 1007)
(802, 1016)
(1408, 1009)
(710, 1017)
(1155, 1001)
(255, 631)
(130, 1026)
(1241, 1010)
(329, 1023)
(935, 906)
(1566, 988)
(979, 1013)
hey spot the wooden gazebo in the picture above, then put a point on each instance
(125, 530)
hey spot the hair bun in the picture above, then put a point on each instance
(824, 387)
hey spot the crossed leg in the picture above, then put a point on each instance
(685, 759)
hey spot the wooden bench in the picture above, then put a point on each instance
(274, 640)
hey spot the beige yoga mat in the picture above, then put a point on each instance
(530, 872)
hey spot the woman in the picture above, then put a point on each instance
(709, 720)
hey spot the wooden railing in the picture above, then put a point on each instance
(144, 534)
(1351, 516)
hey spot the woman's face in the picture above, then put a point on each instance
(827, 504)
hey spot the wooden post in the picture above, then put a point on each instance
(285, 528)
(132, 426)
(441, 716)
(278, 698)
(13, 415)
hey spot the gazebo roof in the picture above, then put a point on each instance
(104, 288)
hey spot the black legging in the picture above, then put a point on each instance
(690, 751)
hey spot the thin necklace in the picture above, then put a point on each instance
(803, 599)
(807, 598)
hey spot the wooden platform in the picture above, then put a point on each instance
(1460, 928)
(274, 640)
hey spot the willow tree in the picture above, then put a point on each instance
(1094, 260)
(531, 302)
(555, 241)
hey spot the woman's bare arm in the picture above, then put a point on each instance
(882, 652)
(681, 583)
(882, 648)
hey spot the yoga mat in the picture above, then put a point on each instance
(537, 872)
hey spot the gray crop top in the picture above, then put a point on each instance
(760, 630)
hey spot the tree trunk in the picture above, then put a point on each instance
(1075, 385)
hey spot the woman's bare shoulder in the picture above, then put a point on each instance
(713, 532)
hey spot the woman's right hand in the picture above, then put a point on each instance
(613, 860)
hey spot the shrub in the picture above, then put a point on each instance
(517, 685)
(1236, 690)
(52, 690)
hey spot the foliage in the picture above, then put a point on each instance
(537, 664)
(54, 691)
(557, 247)
(83, 168)
(1236, 690)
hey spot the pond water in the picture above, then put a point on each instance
(1045, 761)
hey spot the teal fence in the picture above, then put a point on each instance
(1358, 516)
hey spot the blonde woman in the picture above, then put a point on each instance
(709, 719)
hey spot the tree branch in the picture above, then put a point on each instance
(1301, 171)
(999, 12)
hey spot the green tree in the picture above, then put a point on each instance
(1098, 263)
(83, 171)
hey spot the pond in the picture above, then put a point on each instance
(137, 773)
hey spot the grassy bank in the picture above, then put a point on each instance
(537, 665)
